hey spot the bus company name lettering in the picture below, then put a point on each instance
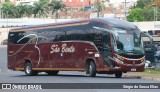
(55, 48)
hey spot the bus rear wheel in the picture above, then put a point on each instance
(118, 74)
(92, 69)
(52, 72)
(29, 71)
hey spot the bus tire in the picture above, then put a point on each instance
(118, 74)
(92, 69)
(29, 71)
(52, 72)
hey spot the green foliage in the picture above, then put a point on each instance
(7, 0)
(56, 6)
(148, 14)
(8, 10)
(140, 4)
(21, 10)
(135, 14)
(102, 7)
(81, 9)
(39, 9)
(152, 71)
(147, 10)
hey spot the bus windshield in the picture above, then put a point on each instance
(129, 41)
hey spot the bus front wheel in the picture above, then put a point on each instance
(92, 69)
(118, 74)
(28, 70)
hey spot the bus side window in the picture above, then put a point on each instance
(11, 38)
(24, 41)
(97, 39)
(76, 33)
(42, 40)
(51, 35)
(95, 35)
(17, 36)
(59, 38)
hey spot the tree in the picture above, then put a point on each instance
(148, 7)
(148, 13)
(7, 0)
(29, 11)
(56, 6)
(82, 9)
(40, 8)
(135, 14)
(140, 4)
(8, 10)
(102, 7)
(21, 9)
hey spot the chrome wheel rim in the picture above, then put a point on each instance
(90, 69)
(28, 69)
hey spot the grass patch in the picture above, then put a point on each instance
(152, 71)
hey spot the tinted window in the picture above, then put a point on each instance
(18, 38)
(94, 35)
(76, 32)
(50, 35)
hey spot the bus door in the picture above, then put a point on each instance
(106, 51)
(103, 44)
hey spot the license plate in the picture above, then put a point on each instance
(133, 69)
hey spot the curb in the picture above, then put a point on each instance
(136, 77)
(150, 78)
(142, 77)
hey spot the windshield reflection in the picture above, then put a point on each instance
(128, 41)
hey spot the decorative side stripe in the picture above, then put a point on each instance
(61, 69)
(39, 52)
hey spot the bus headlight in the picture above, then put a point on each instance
(116, 59)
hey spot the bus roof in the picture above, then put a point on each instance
(109, 21)
(119, 23)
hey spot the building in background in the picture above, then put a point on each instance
(76, 9)
(75, 5)
(1, 1)
(82, 8)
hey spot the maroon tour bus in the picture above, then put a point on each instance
(100, 45)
